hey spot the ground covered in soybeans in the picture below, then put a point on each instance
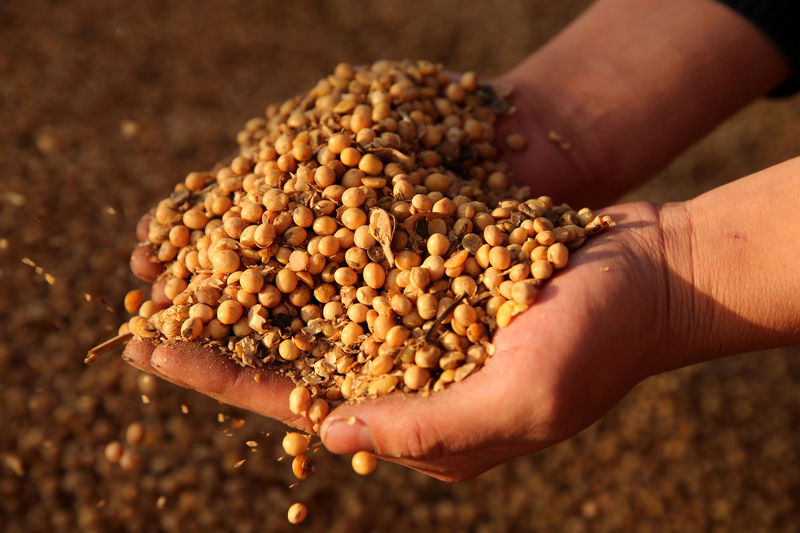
(105, 108)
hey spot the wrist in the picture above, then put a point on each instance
(729, 259)
(675, 323)
(648, 259)
(686, 320)
(698, 325)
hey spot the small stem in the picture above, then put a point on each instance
(103, 347)
(440, 318)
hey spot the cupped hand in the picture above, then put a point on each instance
(591, 336)
(202, 368)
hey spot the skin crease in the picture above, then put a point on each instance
(666, 288)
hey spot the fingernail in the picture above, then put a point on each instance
(348, 435)
(158, 359)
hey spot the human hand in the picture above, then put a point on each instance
(594, 332)
(670, 286)
(581, 89)
(194, 366)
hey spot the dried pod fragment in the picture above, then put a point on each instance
(381, 227)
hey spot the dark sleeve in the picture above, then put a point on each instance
(779, 20)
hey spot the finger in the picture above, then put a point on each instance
(144, 263)
(508, 407)
(158, 295)
(462, 466)
(469, 415)
(193, 366)
(208, 371)
(143, 228)
(138, 353)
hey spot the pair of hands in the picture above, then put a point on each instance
(630, 83)
(557, 368)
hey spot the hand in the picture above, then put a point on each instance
(591, 336)
(194, 366)
(668, 287)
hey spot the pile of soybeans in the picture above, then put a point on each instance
(365, 238)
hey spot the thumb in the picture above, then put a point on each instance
(470, 414)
